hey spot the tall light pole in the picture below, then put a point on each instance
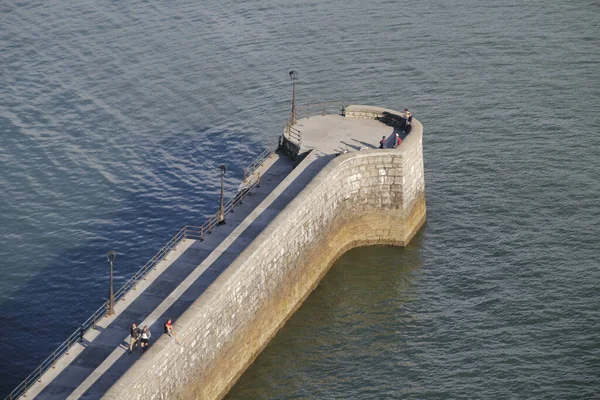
(294, 78)
(221, 214)
(111, 255)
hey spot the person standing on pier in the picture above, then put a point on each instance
(408, 120)
(145, 337)
(134, 331)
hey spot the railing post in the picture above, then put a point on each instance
(258, 180)
(202, 234)
(324, 105)
(40, 373)
(245, 176)
(81, 334)
(54, 360)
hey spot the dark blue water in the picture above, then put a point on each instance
(114, 118)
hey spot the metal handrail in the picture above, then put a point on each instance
(258, 161)
(292, 133)
(327, 107)
(188, 231)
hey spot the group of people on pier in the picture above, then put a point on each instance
(143, 335)
(394, 140)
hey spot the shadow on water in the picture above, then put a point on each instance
(72, 285)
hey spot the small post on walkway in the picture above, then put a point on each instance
(294, 78)
(111, 255)
(221, 214)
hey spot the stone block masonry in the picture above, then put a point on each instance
(360, 198)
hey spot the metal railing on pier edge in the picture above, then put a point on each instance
(306, 111)
(187, 232)
(328, 107)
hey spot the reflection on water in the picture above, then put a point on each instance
(346, 329)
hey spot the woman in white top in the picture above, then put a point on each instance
(145, 337)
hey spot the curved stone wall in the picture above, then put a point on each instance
(361, 198)
(289, 146)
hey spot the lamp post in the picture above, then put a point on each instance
(294, 78)
(111, 255)
(221, 214)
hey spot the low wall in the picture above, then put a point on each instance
(390, 117)
(361, 198)
(290, 147)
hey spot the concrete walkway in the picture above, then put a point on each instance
(331, 134)
(93, 366)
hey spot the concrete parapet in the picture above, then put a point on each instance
(360, 198)
(386, 115)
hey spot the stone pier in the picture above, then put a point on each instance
(232, 295)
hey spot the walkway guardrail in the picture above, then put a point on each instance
(187, 232)
(293, 134)
(328, 107)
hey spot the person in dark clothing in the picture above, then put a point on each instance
(382, 143)
(134, 331)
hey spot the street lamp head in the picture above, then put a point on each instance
(111, 255)
(293, 75)
(223, 167)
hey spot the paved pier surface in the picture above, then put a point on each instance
(330, 134)
(95, 365)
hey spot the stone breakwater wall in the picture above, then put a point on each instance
(361, 198)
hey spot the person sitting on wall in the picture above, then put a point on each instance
(382, 143)
(398, 140)
(169, 330)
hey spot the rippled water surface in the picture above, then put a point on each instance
(114, 117)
